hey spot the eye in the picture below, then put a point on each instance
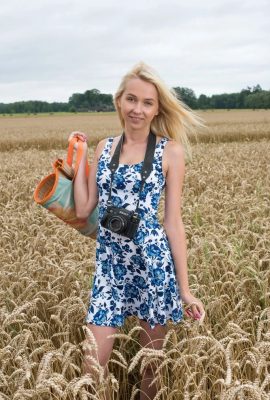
(130, 98)
(148, 103)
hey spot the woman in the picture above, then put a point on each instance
(145, 276)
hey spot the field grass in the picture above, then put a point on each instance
(51, 132)
(47, 268)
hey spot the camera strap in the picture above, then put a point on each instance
(147, 162)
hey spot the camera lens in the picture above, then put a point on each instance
(116, 223)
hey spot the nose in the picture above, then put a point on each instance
(137, 108)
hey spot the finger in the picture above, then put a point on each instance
(200, 313)
(188, 310)
(188, 313)
(71, 137)
(81, 136)
(78, 133)
(195, 311)
(75, 134)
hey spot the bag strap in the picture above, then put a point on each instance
(78, 157)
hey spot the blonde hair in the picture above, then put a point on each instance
(175, 119)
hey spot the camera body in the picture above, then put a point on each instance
(121, 221)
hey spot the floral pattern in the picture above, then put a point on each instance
(133, 276)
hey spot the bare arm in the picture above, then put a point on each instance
(173, 223)
(85, 190)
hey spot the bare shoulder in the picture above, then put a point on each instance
(173, 155)
(174, 149)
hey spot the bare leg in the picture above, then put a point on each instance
(154, 342)
(102, 352)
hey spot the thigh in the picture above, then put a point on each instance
(152, 338)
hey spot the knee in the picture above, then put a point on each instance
(150, 369)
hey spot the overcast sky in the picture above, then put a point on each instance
(50, 49)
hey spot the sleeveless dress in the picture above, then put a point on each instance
(133, 276)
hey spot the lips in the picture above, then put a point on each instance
(135, 118)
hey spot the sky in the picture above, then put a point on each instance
(50, 49)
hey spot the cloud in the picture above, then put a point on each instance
(51, 49)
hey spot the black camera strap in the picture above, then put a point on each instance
(147, 162)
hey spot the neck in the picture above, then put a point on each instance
(134, 137)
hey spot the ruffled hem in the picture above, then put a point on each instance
(151, 321)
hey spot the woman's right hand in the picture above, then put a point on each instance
(81, 136)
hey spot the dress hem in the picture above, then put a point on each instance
(175, 322)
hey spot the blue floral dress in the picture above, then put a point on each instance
(133, 276)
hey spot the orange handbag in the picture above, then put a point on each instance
(55, 192)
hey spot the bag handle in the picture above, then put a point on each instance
(78, 158)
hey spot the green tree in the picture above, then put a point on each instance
(187, 96)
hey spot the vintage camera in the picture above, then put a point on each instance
(121, 221)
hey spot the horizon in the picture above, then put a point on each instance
(55, 101)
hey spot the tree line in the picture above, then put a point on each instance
(94, 101)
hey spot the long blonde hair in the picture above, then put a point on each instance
(175, 119)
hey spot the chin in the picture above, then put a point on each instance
(135, 127)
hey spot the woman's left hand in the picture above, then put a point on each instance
(194, 307)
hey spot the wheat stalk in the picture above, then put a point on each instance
(144, 352)
(46, 271)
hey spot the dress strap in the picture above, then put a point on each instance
(160, 149)
(108, 145)
(106, 149)
(163, 141)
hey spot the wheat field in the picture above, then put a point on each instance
(47, 268)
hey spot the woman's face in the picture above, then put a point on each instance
(138, 103)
